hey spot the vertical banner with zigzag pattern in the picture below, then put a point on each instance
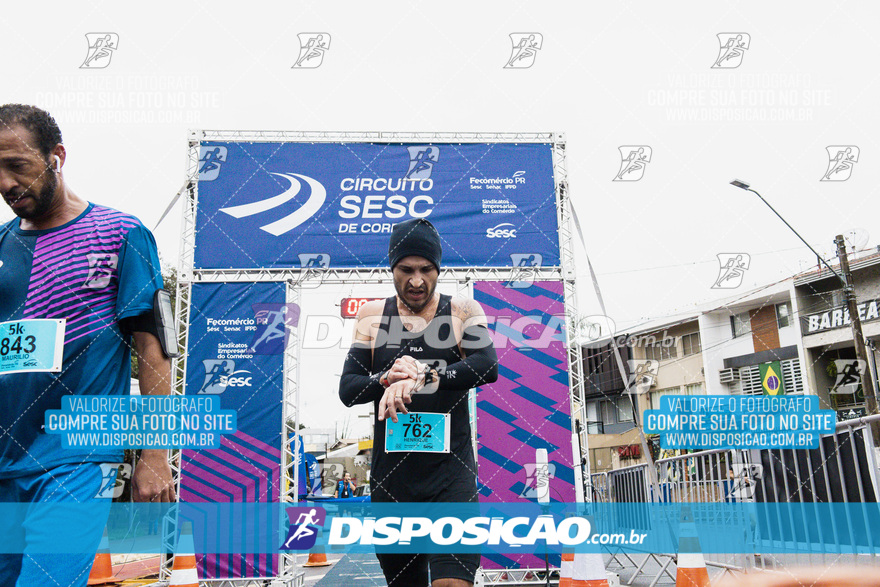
(237, 335)
(528, 407)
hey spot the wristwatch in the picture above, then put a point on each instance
(429, 375)
(383, 380)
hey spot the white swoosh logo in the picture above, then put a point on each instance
(291, 221)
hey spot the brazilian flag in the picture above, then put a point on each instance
(771, 378)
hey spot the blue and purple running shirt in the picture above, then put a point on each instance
(93, 272)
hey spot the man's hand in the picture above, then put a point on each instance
(395, 399)
(404, 368)
(152, 479)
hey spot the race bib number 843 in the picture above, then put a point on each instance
(31, 345)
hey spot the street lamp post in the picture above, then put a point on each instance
(849, 292)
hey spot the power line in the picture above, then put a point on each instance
(692, 263)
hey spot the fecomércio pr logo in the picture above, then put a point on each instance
(304, 525)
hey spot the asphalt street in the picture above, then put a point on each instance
(350, 570)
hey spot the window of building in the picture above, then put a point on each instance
(609, 412)
(690, 344)
(740, 324)
(848, 400)
(661, 351)
(594, 425)
(791, 376)
(694, 389)
(654, 397)
(625, 408)
(783, 314)
(750, 380)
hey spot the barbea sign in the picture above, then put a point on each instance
(839, 317)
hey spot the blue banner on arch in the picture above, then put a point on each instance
(323, 205)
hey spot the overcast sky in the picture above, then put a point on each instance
(606, 75)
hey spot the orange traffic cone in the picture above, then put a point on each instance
(102, 568)
(184, 572)
(691, 564)
(589, 570)
(566, 570)
(317, 558)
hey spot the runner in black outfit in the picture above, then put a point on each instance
(420, 351)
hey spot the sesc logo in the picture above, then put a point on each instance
(308, 209)
(221, 374)
(501, 231)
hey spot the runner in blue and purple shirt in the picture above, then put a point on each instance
(96, 269)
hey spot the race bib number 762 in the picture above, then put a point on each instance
(418, 432)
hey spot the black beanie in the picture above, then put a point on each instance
(418, 237)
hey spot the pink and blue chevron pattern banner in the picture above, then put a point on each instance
(236, 339)
(528, 407)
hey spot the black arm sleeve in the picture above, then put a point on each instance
(480, 365)
(357, 385)
(145, 322)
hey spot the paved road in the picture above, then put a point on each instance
(350, 570)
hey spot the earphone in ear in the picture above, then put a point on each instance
(57, 163)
